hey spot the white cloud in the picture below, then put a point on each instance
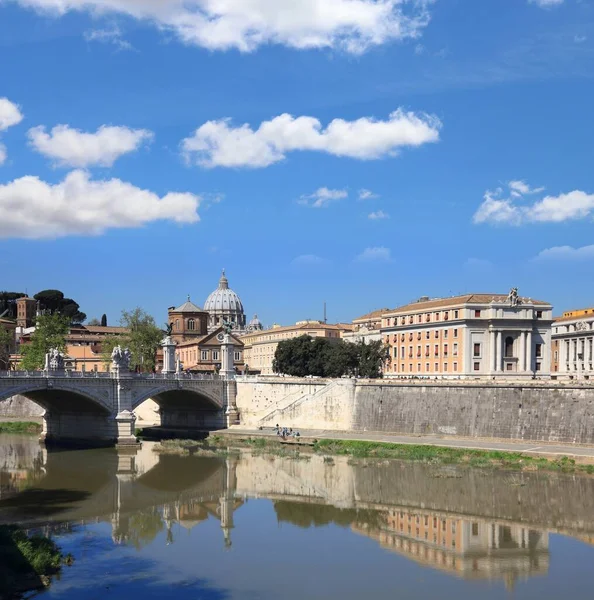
(10, 114)
(111, 35)
(377, 215)
(322, 197)
(350, 25)
(567, 253)
(546, 3)
(220, 144)
(376, 254)
(309, 260)
(579, 39)
(499, 208)
(367, 195)
(74, 148)
(32, 208)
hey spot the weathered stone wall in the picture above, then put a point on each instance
(20, 408)
(541, 412)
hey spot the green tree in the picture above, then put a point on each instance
(53, 301)
(143, 338)
(104, 320)
(6, 345)
(94, 321)
(8, 304)
(50, 332)
(371, 358)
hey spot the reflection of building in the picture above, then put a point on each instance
(573, 341)
(475, 335)
(472, 549)
(260, 346)
(366, 328)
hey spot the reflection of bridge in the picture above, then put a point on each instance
(97, 407)
(474, 524)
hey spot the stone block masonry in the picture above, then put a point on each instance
(540, 411)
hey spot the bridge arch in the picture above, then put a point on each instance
(59, 398)
(168, 396)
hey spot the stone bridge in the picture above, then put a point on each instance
(97, 408)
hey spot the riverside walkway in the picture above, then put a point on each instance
(544, 449)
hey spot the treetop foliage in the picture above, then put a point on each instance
(53, 301)
(320, 357)
(50, 332)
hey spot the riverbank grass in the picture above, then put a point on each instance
(20, 427)
(445, 455)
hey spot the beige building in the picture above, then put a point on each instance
(366, 328)
(573, 341)
(260, 346)
(474, 335)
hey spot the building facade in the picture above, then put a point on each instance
(366, 328)
(260, 346)
(203, 354)
(573, 345)
(474, 335)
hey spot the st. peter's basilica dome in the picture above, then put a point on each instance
(224, 305)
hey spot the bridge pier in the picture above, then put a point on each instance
(78, 428)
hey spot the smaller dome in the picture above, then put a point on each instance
(188, 307)
(255, 324)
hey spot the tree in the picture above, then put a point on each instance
(8, 304)
(94, 322)
(103, 320)
(53, 301)
(50, 332)
(143, 339)
(320, 357)
(6, 345)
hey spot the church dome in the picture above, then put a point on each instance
(225, 305)
(255, 324)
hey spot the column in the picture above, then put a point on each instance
(523, 351)
(498, 351)
(492, 350)
(168, 355)
(529, 352)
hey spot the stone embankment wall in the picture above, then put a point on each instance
(539, 411)
(20, 408)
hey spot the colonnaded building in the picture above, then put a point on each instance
(573, 345)
(473, 335)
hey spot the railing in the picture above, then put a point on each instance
(102, 375)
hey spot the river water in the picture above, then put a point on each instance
(257, 526)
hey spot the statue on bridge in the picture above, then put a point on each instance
(120, 358)
(54, 360)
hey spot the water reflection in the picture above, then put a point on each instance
(471, 524)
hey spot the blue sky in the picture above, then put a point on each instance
(360, 153)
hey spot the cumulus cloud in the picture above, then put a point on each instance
(375, 254)
(350, 25)
(378, 215)
(502, 208)
(112, 36)
(10, 114)
(32, 208)
(69, 147)
(567, 253)
(220, 144)
(322, 197)
(367, 195)
(309, 260)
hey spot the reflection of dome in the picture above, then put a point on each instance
(224, 305)
(255, 324)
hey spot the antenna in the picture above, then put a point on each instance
(325, 319)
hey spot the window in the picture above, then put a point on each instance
(427, 351)
(436, 367)
(455, 349)
(456, 313)
(428, 317)
(437, 316)
(538, 366)
(402, 338)
(436, 334)
(446, 316)
(419, 335)
(395, 352)
(538, 350)
(427, 367)
(427, 335)
(455, 333)
(477, 366)
(455, 366)
(410, 352)
(418, 350)
(509, 347)
(418, 367)
(475, 529)
(215, 355)
(237, 356)
(177, 324)
(436, 350)
(401, 351)
(410, 368)
(539, 314)
(445, 366)
(476, 352)
(204, 355)
(443, 525)
(411, 319)
(191, 324)
(509, 366)
(445, 349)
(420, 318)
(445, 334)
(410, 336)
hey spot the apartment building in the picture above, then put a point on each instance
(573, 345)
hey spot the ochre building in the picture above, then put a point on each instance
(474, 335)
